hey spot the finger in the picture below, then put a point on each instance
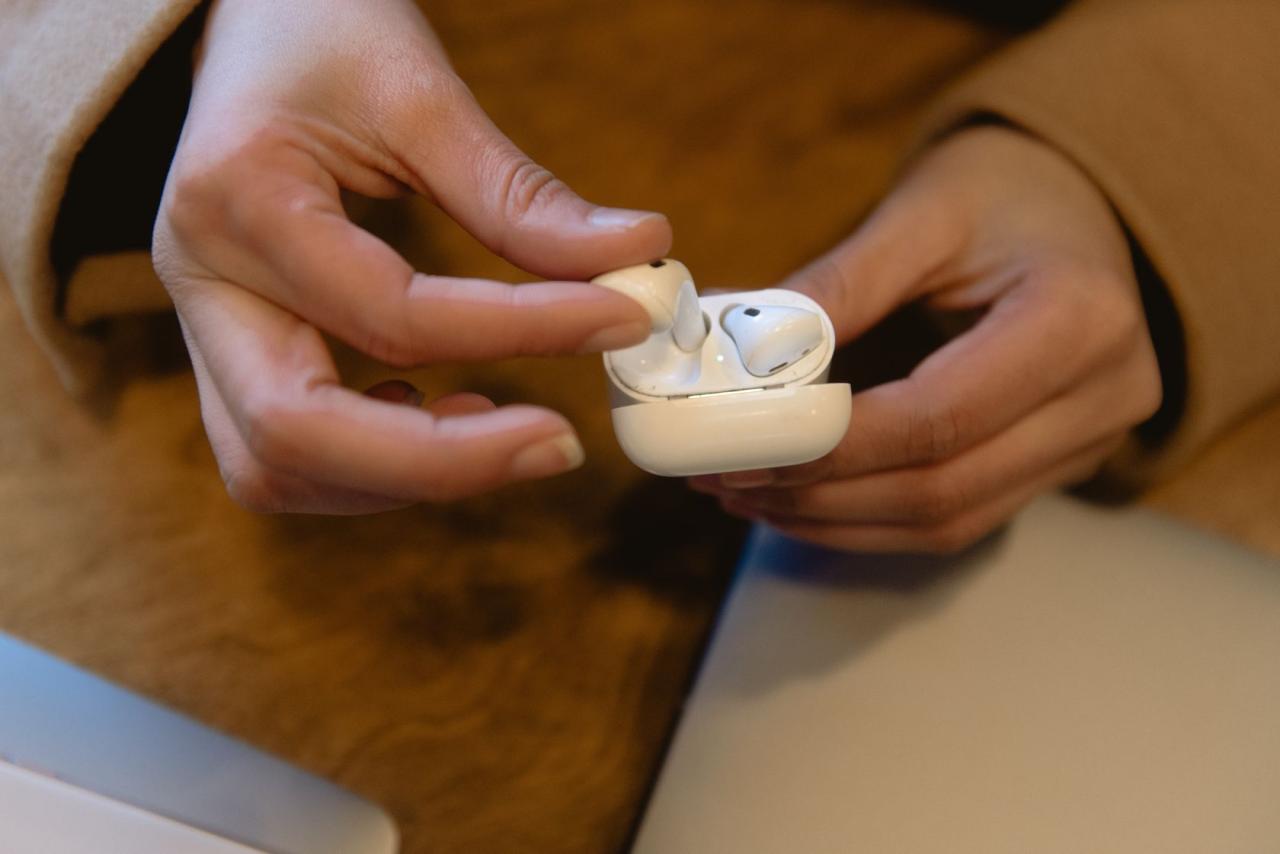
(461, 403)
(515, 207)
(946, 537)
(892, 259)
(258, 488)
(1027, 350)
(933, 494)
(1091, 418)
(278, 228)
(283, 396)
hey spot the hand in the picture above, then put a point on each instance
(1034, 396)
(294, 102)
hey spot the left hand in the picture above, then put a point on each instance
(295, 102)
(1035, 396)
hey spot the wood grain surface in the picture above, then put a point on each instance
(500, 673)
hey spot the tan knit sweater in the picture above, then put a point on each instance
(1170, 105)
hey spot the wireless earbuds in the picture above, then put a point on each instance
(772, 337)
(666, 291)
(724, 382)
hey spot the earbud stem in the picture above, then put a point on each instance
(665, 289)
(688, 328)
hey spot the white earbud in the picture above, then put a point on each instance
(665, 289)
(770, 338)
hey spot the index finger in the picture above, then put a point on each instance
(280, 230)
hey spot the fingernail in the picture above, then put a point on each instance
(616, 337)
(396, 391)
(747, 479)
(553, 456)
(619, 218)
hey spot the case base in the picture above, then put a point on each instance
(736, 431)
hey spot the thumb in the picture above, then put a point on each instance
(899, 254)
(517, 208)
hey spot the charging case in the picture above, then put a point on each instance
(680, 414)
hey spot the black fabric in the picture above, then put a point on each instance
(1171, 351)
(115, 185)
(1007, 14)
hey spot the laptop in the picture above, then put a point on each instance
(88, 767)
(1091, 679)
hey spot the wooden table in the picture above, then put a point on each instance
(500, 673)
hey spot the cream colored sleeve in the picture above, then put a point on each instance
(64, 64)
(1173, 108)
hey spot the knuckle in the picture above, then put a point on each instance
(1106, 303)
(432, 87)
(212, 188)
(527, 187)
(266, 425)
(252, 487)
(1121, 327)
(1128, 323)
(389, 334)
(392, 347)
(936, 433)
(936, 499)
(826, 282)
(192, 203)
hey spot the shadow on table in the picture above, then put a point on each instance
(671, 541)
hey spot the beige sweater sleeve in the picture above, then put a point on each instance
(1173, 108)
(64, 65)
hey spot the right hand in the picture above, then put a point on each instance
(1036, 395)
(295, 101)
